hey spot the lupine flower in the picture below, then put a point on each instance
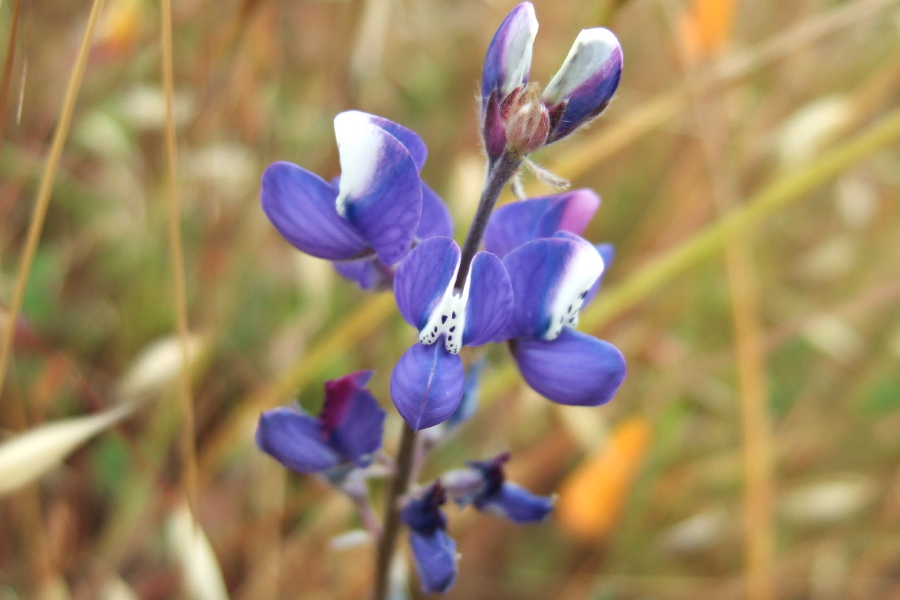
(376, 208)
(434, 552)
(552, 279)
(428, 381)
(371, 273)
(514, 112)
(520, 222)
(347, 432)
(484, 486)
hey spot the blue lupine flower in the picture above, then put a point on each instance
(520, 222)
(580, 90)
(484, 486)
(375, 209)
(347, 432)
(552, 279)
(371, 273)
(428, 381)
(434, 552)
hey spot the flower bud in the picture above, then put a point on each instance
(527, 122)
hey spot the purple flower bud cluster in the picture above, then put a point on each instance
(521, 279)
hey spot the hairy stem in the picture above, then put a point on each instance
(391, 525)
(501, 172)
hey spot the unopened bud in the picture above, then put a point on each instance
(526, 119)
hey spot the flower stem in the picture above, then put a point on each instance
(501, 172)
(398, 488)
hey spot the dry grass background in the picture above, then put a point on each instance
(749, 171)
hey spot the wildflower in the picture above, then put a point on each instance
(347, 432)
(428, 381)
(374, 210)
(552, 279)
(434, 552)
(483, 484)
(371, 273)
(582, 88)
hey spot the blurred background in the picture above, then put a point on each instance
(749, 172)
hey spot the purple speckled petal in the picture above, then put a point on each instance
(427, 385)
(490, 300)
(300, 205)
(586, 81)
(424, 277)
(508, 57)
(435, 559)
(574, 369)
(380, 191)
(521, 222)
(296, 440)
(436, 220)
(352, 417)
(551, 277)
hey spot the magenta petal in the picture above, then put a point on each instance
(427, 385)
(574, 369)
(352, 417)
(300, 205)
(490, 300)
(423, 277)
(296, 440)
(521, 222)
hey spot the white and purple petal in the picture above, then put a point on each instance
(424, 278)
(575, 368)
(508, 57)
(380, 190)
(436, 220)
(515, 503)
(409, 138)
(301, 206)
(521, 222)
(427, 385)
(296, 440)
(586, 81)
(435, 557)
(551, 278)
(488, 301)
(608, 254)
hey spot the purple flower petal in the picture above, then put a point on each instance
(521, 222)
(352, 417)
(409, 138)
(422, 513)
(574, 369)
(369, 273)
(551, 277)
(427, 385)
(435, 559)
(608, 254)
(508, 57)
(380, 190)
(436, 220)
(424, 277)
(586, 82)
(515, 503)
(296, 440)
(489, 302)
(300, 205)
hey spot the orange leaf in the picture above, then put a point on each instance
(592, 496)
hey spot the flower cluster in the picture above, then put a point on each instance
(521, 278)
